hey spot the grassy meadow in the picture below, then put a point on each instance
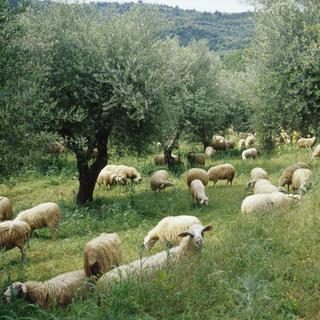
(251, 267)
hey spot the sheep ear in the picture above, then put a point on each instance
(185, 234)
(207, 228)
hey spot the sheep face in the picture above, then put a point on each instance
(204, 201)
(148, 242)
(17, 290)
(196, 232)
(138, 179)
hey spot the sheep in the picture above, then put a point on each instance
(192, 242)
(107, 178)
(244, 135)
(300, 180)
(56, 148)
(306, 142)
(15, 234)
(252, 152)
(159, 159)
(121, 172)
(249, 141)
(267, 202)
(6, 211)
(218, 142)
(286, 177)
(265, 186)
(230, 144)
(160, 180)
(168, 229)
(316, 152)
(284, 137)
(196, 158)
(102, 253)
(196, 173)
(129, 173)
(59, 290)
(43, 215)
(258, 173)
(197, 191)
(222, 172)
(209, 152)
(242, 144)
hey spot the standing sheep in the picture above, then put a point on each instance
(102, 253)
(301, 179)
(168, 229)
(287, 174)
(242, 144)
(316, 152)
(43, 215)
(218, 142)
(196, 173)
(59, 290)
(306, 142)
(198, 192)
(249, 153)
(107, 178)
(196, 158)
(15, 234)
(6, 211)
(209, 152)
(230, 144)
(222, 172)
(160, 180)
(258, 203)
(249, 141)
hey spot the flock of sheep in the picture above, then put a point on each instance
(102, 255)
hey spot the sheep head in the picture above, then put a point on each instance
(196, 233)
(17, 290)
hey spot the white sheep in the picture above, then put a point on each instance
(218, 142)
(107, 178)
(258, 173)
(59, 290)
(160, 180)
(301, 179)
(316, 152)
(168, 229)
(266, 202)
(43, 215)
(265, 186)
(242, 143)
(222, 172)
(306, 142)
(6, 211)
(249, 141)
(15, 234)
(249, 153)
(287, 174)
(198, 192)
(196, 173)
(209, 152)
(102, 253)
(192, 242)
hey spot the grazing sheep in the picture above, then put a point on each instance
(209, 152)
(107, 178)
(15, 234)
(242, 143)
(129, 173)
(192, 242)
(249, 141)
(59, 290)
(168, 229)
(43, 215)
(198, 192)
(218, 142)
(265, 186)
(222, 172)
(196, 158)
(316, 152)
(244, 135)
(258, 173)
(159, 159)
(306, 142)
(266, 202)
(301, 179)
(56, 148)
(286, 177)
(6, 211)
(102, 253)
(160, 180)
(249, 153)
(121, 172)
(230, 144)
(199, 174)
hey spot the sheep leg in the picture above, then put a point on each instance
(23, 254)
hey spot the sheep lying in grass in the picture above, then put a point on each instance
(43, 215)
(249, 153)
(102, 253)
(160, 180)
(209, 152)
(222, 172)
(6, 211)
(301, 179)
(265, 186)
(192, 242)
(198, 192)
(287, 174)
(316, 152)
(168, 229)
(267, 202)
(249, 141)
(199, 174)
(59, 290)
(196, 158)
(15, 234)
(306, 142)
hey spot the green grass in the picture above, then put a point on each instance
(256, 267)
